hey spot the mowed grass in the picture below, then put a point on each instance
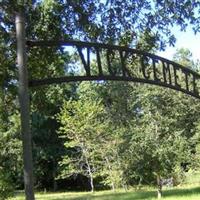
(186, 193)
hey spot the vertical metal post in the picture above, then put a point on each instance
(24, 104)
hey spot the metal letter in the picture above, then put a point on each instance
(143, 65)
(186, 79)
(166, 69)
(125, 71)
(176, 77)
(195, 90)
(85, 64)
(99, 61)
(109, 52)
(155, 70)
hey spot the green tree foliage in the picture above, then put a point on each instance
(92, 136)
(82, 124)
(6, 185)
(158, 144)
(138, 119)
(152, 132)
(104, 20)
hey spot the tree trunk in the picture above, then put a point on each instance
(124, 185)
(91, 183)
(159, 185)
(89, 171)
(139, 183)
(113, 186)
(55, 186)
(90, 177)
(110, 170)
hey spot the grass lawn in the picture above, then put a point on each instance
(186, 193)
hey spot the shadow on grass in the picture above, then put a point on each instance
(130, 195)
(118, 195)
(182, 192)
(139, 195)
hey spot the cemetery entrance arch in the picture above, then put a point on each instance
(109, 62)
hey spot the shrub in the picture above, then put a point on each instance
(6, 186)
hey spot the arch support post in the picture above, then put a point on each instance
(24, 104)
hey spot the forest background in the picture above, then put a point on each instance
(97, 135)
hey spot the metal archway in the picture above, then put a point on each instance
(132, 65)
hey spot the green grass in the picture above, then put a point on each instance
(192, 177)
(187, 193)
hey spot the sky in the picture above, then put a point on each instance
(184, 40)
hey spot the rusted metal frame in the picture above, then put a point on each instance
(47, 81)
(105, 46)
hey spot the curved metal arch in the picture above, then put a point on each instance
(119, 63)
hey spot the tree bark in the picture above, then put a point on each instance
(110, 170)
(90, 176)
(55, 185)
(88, 168)
(159, 185)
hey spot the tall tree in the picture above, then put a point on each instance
(81, 125)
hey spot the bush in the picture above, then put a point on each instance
(6, 186)
(178, 176)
